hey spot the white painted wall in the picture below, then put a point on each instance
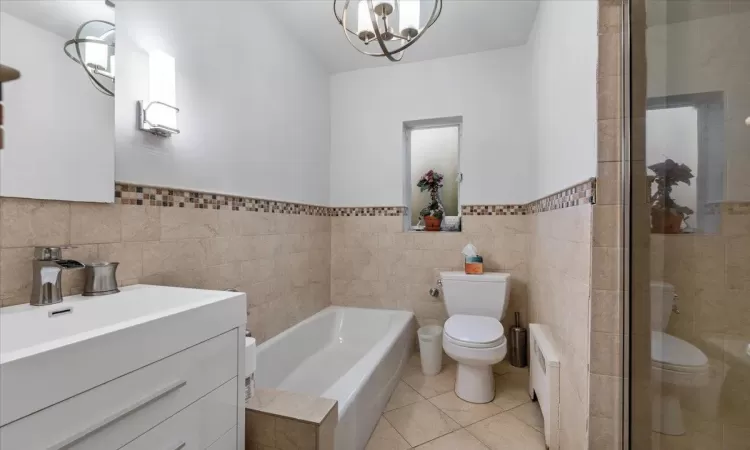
(490, 90)
(254, 104)
(59, 141)
(563, 47)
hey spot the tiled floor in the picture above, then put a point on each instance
(424, 413)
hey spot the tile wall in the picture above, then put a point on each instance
(559, 296)
(281, 260)
(375, 264)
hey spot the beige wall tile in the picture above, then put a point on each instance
(34, 222)
(15, 275)
(260, 429)
(606, 264)
(184, 223)
(609, 140)
(295, 435)
(161, 257)
(606, 311)
(93, 223)
(140, 223)
(606, 354)
(605, 396)
(609, 97)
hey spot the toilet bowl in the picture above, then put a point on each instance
(674, 362)
(476, 343)
(473, 335)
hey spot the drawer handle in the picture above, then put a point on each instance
(143, 402)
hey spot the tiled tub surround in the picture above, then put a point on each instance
(278, 420)
(281, 260)
(559, 296)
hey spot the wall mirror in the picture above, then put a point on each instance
(59, 115)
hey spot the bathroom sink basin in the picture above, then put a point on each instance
(51, 353)
(26, 330)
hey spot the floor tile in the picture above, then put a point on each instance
(505, 432)
(403, 395)
(460, 439)
(385, 437)
(421, 422)
(432, 386)
(464, 413)
(511, 390)
(530, 414)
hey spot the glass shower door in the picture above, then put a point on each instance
(697, 168)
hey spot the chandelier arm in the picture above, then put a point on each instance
(348, 38)
(335, 13)
(436, 11)
(387, 53)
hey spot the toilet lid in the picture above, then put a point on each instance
(474, 329)
(671, 351)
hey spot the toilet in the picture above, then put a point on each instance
(473, 334)
(674, 362)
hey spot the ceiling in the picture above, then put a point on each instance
(465, 26)
(62, 17)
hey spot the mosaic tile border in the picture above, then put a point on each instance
(367, 211)
(130, 194)
(578, 194)
(494, 210)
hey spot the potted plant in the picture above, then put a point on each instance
(666, 215)
(434, 211)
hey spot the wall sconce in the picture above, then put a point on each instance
(159, 115)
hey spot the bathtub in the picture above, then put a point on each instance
(351, 355)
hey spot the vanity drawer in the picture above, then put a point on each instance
(113, 414)
(196, 427)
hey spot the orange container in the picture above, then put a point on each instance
(474, 265)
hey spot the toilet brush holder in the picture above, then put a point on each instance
(518, 344)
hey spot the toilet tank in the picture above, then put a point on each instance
(662, 300)
(476, 295)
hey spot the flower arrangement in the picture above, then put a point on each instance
(434, 211)
(666, 215)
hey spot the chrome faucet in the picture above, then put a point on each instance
(48, 267)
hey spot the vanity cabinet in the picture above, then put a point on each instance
(190, 397)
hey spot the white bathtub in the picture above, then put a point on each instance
(352, 355)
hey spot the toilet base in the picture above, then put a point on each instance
(666, 415)
(475, 384)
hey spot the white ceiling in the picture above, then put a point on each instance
(62, 17)
(465, 26)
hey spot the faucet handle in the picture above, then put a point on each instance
(49, 253)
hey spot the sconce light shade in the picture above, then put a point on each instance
(159, 114)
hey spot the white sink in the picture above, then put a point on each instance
(51, 353)
(26, 330)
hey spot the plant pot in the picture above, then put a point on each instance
(665, 222)
(432, 223)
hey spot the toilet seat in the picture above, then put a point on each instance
(474, 331)
(674, 354)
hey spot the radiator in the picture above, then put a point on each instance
(544, 380)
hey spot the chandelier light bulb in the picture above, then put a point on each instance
(377, 25)
(364, 23)
(95, 52)
(409, 17)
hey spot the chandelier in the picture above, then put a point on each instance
(94, 49)
(393, 24)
